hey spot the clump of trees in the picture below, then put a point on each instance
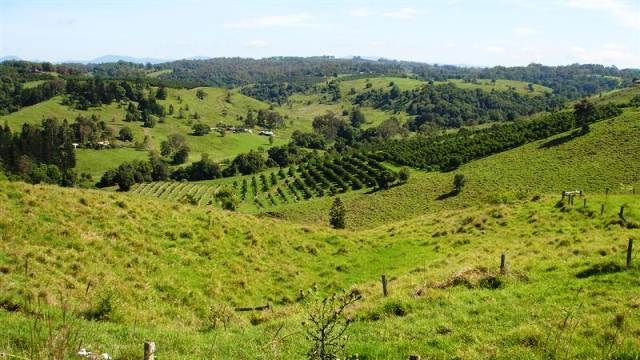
(448, 105)
(226, 197)
(200, 129)
(43, 153)
(204, 169)
(176, 148)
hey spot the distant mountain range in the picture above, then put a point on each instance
(8, 58)
(108, 59)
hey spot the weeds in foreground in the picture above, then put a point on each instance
(53, 335)
(326, 325)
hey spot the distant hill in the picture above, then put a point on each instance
(116, 58)
(9, 58)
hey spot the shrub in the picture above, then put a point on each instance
(396, 308)
(102, 310)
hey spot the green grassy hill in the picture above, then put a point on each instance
(500, 84)
(150, 269)
(601, 159)
(212, 109)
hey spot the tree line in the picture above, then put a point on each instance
(43, 153)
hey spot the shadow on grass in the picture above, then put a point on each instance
(450, 194)
(559, 141)
(376, 189)
(600, 269)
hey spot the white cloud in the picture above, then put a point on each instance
(608, 55)
(257, 44)
(291, 20)
(623, 12)
(525, 31)
(360, 12)
(404, 13)
(377, 43)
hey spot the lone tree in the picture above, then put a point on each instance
(336, 214)
(404, 174)
(201, 94)
(584, 111)
(458, 183)
(125, 134)
(326, 325)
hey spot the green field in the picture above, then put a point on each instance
(446, 299)
(500, 84)
(129, 267)
(360, 85)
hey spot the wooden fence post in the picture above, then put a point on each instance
(585, 203)
(621, 213)
(149, 350)
(503, 263)
(601, 209)
(629, 250)
(385, 292)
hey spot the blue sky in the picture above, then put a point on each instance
(472, 32)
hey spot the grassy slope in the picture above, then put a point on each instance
(500, 84)
(603, 158)
(167, 263)
(210, 109)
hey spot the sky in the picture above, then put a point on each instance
(460, 32)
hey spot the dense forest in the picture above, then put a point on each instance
(232, 72)
(450, 106)
(14, 74)
(42, 153)
(571, 82)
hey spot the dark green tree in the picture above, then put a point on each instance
(125, 134)
(459, 181)
(356, 118)
(201, 94)
(337, 214)
(584, 112)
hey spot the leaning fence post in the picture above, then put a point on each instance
(385, 292)
(503, 263)
(149, 350)
(621, 213)
(601, 209)
(585, 203)
(629, 250)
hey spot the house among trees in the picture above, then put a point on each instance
(266, 132)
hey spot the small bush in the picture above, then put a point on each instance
(102, 310)
(396, 308)
(491, 282)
